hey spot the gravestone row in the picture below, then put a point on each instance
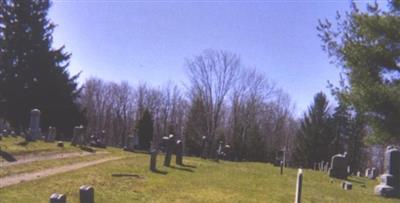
(86, 195)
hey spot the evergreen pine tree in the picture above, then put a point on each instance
(32, 73)
(145, 130)
(315, 135)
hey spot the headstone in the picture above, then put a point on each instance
(77, 138)
(58, 198)
(227, 152)
(373, 174)
(390, 180)
(347, 185)
(339, 166)
(60, 144)
(321, 166)
(203, 147)
(86, 194)
(326, 168)
(51, 135)
(219, 151)
(179, 152)
(130, 144)
(34, 125)
(299, 186)
(367, 172)
(153, 160)
(170, 142)
(358, 173)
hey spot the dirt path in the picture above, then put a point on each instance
(15, 179)
(22, 159)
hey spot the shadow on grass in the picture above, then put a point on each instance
(23, 143)
(159, 172)
(88, 149)
(7, 156)
(182, 169)
(188, 166)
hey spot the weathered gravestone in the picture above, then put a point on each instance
(179, 152)
(326, 167)
(219, 151)
(130, 144)
(367, 172)
(390, 180)
(339, 166)
(58, 198)
(77, 138)
(51, 135)
(373, 173)
(347, 185)
(203, 147)
(153, 159)
(227, 152)
(34, 126)
(169, 145)
(86, 194)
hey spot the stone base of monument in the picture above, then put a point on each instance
(385, 190)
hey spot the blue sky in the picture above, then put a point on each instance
(148, 41)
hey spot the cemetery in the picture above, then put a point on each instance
(126, 177)
(199, 101)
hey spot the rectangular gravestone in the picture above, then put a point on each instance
(153, 160)
(179, 153)
(169, 145)
(51, 134)
(86, 194)
(77, 138)
(58, 198)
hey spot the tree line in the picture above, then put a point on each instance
(223, 100)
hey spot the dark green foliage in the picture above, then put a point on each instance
(366, 45)
(315, 135)
(145, 130)
(32, 73)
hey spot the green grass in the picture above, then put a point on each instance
(13, 146)
(42, 165)
(206, 181)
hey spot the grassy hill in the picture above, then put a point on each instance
(198, 181)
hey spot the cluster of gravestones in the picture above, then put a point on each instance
(86, 195)
(223, 151)
(390, 180)
(170, 146)
(80, 138)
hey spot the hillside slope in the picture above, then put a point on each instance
(198, 181)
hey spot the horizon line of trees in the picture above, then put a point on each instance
(223, 101)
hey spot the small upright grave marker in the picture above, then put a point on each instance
(299, 186)
(169, 144)
(58, 198)
(179, 152)
(86, 194)
(34, 125)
